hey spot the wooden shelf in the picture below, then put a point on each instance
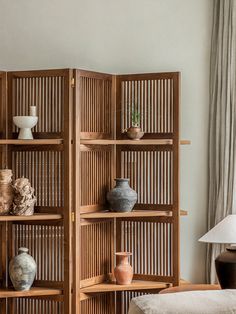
(10, 293)
(135, 285)
(135, 213)
(55, 141)
(132, 142)
(31, 218)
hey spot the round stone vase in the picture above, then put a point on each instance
(122, 198)
(123, 271)
(134, 133)
(22, 270)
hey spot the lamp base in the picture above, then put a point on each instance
(226, 268)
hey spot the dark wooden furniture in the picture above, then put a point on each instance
(79, 147)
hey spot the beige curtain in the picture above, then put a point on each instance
(222, 132)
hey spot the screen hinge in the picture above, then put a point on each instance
(72, 82)
(73, 216)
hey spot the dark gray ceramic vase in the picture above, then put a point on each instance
(122, 198)
(22, 270)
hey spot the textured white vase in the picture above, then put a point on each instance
(22, 270)
(25, 123)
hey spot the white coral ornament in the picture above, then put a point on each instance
(24, 198)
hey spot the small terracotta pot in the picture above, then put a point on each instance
(123, 271)
(134, 133)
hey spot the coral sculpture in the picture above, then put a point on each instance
(24, 198)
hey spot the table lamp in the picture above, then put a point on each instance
(224, 233)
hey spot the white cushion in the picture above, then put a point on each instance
(190, 302)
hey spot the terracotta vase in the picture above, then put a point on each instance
(123, 271)
(134, 133)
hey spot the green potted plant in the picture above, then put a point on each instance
(134, 132)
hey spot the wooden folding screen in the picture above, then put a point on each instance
(47, 162)
(151, 232)
(79, 147)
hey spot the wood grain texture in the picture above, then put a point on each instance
(10, 293)
(31, 142)
(34, 217)
(133, 214)
(135, 285)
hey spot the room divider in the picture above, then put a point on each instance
(79, 148)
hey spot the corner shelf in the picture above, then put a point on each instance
(54, 141)
(34, 217)
(35, 291)
(135, 285)
(132, 142)
(135, 213)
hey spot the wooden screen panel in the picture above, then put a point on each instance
(95, 98)
(44, 169)
(37, 306)
(154, 97)
(99, 304)
(151, 244)
(96, 257)
(46, 92)
(151, 175)
(46, 245)
(96, 173)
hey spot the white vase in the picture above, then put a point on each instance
(25, 123)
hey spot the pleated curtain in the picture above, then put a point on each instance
(222, 130)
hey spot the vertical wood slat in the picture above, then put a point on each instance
(95, 102)
(44, 170)
(150, 173)
(96, 245)
(95, 168)
(151, 244)
(37, 306)
(176, 181)
(100, 304)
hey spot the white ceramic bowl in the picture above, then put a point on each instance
(25, 123)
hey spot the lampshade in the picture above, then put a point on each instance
(223, 232)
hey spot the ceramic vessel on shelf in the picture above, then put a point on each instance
(22, 270)
(122, 198)
(134, 133)
(25, 123)
(24, 198)
(123, 271)
(6, 192)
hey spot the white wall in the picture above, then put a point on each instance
(128, 36)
